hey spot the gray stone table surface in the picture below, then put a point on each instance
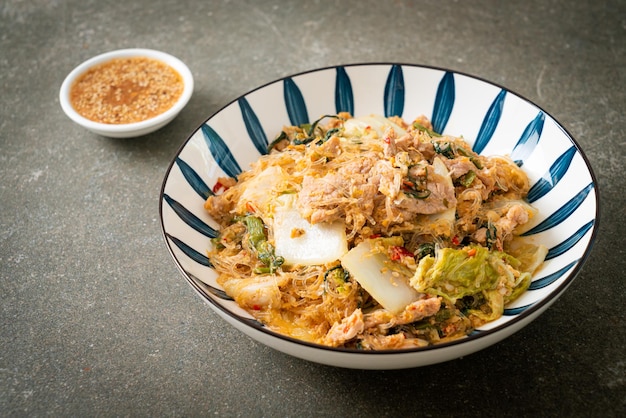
(95, 318)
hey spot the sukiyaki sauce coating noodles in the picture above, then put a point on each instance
(373, 233)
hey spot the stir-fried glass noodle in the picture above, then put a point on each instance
(373, 233)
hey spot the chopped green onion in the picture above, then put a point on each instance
(472, 158)
(476, 162)
(422, 128)
(467, 179)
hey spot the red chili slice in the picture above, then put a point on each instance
(398, 252)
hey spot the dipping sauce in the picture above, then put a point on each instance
(126, 90)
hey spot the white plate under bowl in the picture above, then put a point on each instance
(491, 118)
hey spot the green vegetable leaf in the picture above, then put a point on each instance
(455, 274)
(264, 250)
(443, 148)
(279, 138)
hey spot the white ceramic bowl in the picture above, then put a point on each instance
(491, 118)
(127, 130)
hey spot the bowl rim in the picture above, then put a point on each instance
(164, 57)
(536, 308)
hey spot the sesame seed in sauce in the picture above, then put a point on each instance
(126, 90)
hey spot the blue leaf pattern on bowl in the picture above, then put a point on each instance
(190, 252)
(212, 289)
(253, 126)
(223, 157)
(444, 102)
(529, 139)
(490, 123)
(551, 278)
(394, 92)
(555, 174)
(253, 322)
(344, 99)
(516, 311)
(562, 213)
(190, 219)
(194, 180)
(296, 108)
(564, 246)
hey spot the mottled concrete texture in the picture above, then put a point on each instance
(95, 318)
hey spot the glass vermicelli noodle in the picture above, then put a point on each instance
(373, 233)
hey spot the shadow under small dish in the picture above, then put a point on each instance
(491, 120)
(126, 93)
